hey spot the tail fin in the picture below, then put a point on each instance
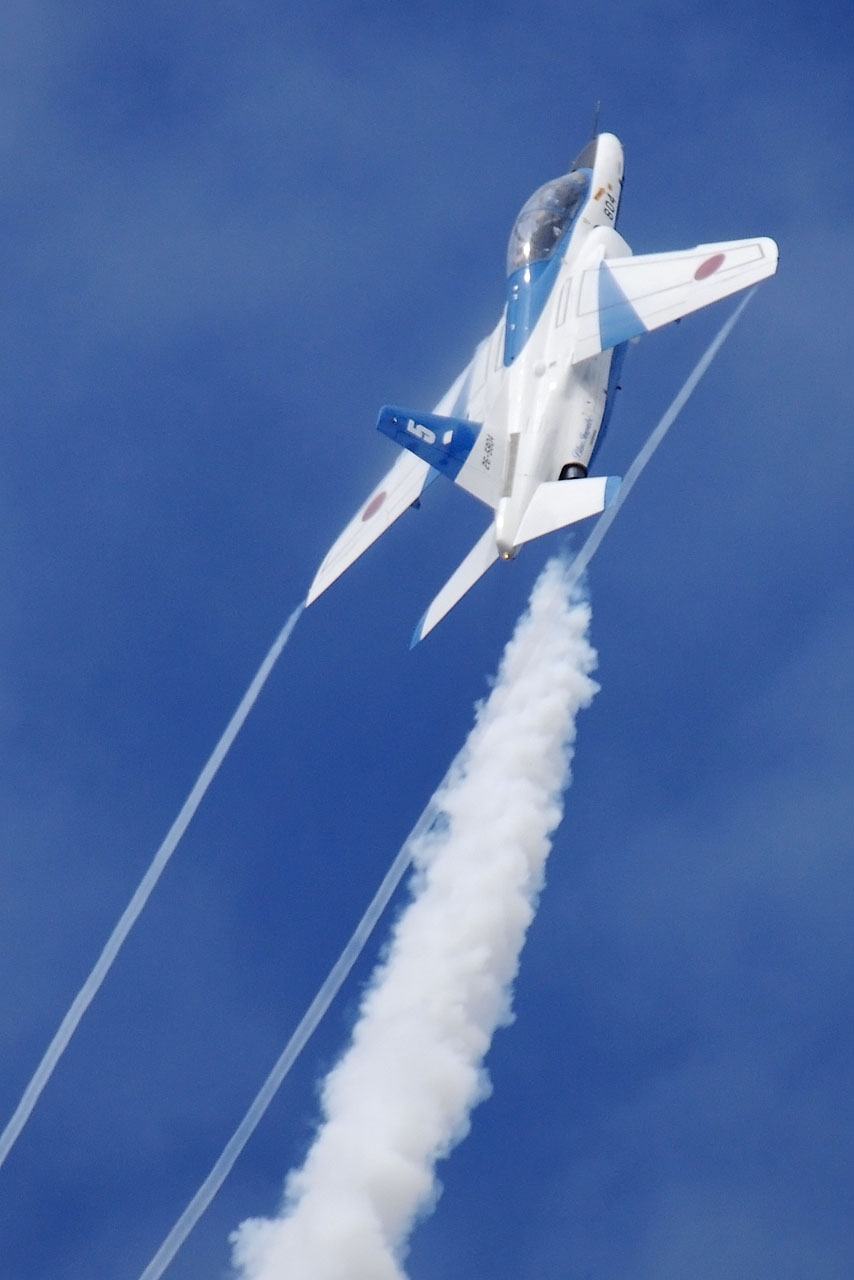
(482, 555)
(461, 450)
(557, 503)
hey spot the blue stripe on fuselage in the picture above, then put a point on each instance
(528, 289)
(618, 320)
(617, 360)
(528, 292)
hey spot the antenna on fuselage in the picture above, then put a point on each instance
(587, 157)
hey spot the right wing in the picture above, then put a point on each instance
(621, 298)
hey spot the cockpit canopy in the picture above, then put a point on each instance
(545, 218)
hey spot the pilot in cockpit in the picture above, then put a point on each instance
(544, 220)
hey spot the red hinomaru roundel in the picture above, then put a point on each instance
(373, 507)
(709, 267)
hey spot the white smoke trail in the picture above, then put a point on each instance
(400, 1097)
(140, 897)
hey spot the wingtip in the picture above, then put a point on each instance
(418, 633)
(612, 488)
(317, 587)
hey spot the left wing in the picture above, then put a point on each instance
(396, 491)
(621, 298)
(399, 489)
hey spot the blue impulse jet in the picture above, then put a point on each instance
(519, 427)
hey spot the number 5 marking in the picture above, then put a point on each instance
(423, 433)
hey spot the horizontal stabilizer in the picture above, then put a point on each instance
(621, 298)
(449, 445)
(482, 555)
(557, 503)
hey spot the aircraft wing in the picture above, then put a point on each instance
(402, 486)
(395, 492)
(621, 298)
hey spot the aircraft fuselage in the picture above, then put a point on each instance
(548, 409)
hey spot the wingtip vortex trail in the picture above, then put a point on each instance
(140, 896)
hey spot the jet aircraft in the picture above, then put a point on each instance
(519, 427)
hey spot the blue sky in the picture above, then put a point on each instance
(228, 237)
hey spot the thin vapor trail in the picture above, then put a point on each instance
(314, 1014)
(140, 897)
(630, 479)
(305, 1029)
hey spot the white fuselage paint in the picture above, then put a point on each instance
(546, 408)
